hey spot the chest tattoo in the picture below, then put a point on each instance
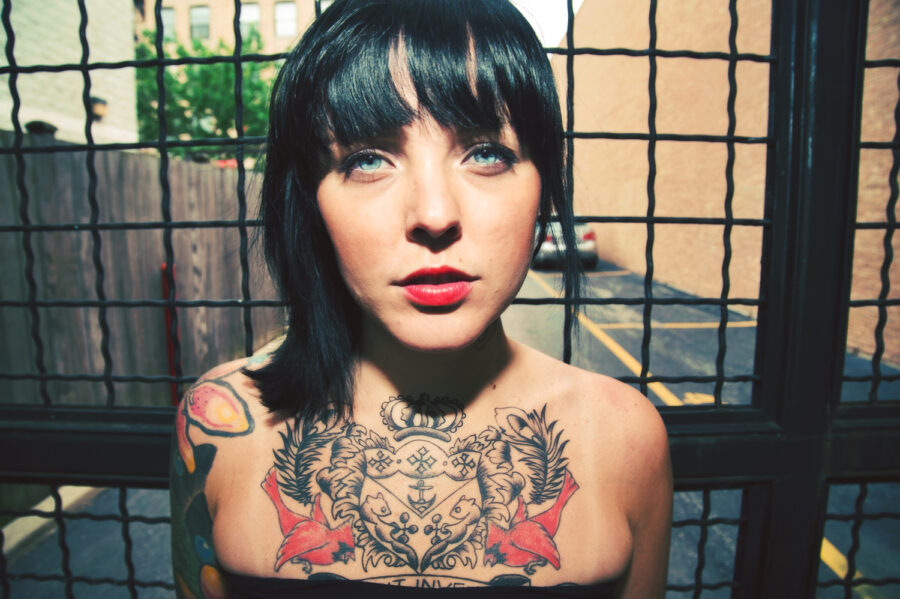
(423, 499)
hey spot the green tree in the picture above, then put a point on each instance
(200, 100)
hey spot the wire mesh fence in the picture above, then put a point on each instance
(871, 371)
(129, 266)
(861, 527)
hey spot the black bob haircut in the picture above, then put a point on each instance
(337, 85)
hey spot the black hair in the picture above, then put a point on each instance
(337, 85)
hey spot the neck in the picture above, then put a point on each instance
(387, 367)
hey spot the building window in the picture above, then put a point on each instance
(285, 19)
(168, 24)
(199, 22)
(249, 19)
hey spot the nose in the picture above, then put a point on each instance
(433, 217)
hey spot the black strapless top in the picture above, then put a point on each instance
(251, 587)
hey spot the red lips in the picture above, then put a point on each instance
(441, 286)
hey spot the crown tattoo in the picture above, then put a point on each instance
(435, 417)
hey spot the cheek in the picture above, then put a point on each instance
(347, 237)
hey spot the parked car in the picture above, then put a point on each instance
(551, 248)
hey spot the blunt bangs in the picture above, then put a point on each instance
(472, 64)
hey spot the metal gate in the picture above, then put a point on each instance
(794, 443)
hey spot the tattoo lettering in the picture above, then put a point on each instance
(214, 407)
(426, 502)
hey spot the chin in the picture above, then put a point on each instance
(438, 337)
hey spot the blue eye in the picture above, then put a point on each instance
(492, 157)
(487, 157)
(369, 162)
(364, 162)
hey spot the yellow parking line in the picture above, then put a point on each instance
(836, 560)
(740, 324)
(669, 398)
(607, 273)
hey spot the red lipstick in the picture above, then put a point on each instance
(441, 286)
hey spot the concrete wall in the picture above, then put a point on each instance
(46, 32)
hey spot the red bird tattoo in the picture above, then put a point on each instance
(528, 542)
(308, 540)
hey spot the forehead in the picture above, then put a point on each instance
(388, 86)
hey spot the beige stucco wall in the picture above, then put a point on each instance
(611, 176)
(879, 99)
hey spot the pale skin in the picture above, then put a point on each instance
(429, 197)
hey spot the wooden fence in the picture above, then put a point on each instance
(128, 190)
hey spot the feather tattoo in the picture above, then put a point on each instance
(541, 448)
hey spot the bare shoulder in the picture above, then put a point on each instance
(220, 407)
(596, 397)
(222, 404)
(601, 409)
(224, 400)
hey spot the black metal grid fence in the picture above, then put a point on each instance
(736, 452)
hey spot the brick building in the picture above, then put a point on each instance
(279, 22)
(611, 175)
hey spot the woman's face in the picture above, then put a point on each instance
(433, 229)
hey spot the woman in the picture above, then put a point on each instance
(398, 436)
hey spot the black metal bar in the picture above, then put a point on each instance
(224, 303)
(156, 62)
(88, 516)
(166, 196)
(854, 517)
(891, 301)
(815, 94)
(875, 225)
(752, 533)
(260, 57)
(126, 226)
(888, 246)
(692, 137)
(24, 216)
(146, 378)
(854, 539)
(651, 200)
(729, 206)
(92, 581)
(170, 143)
(61, 540)
(744, 56)
(242, 176)
(96, 240)
(570, 173)
(206, 224)
(860, 581)
(701, 544)
(256, 140)
(126, 537)
(96, 446)
(237, 303)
